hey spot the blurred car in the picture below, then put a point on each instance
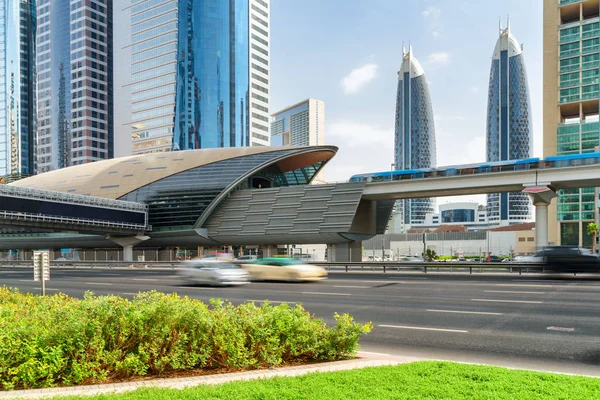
(570, 259)
(537, 257)
(213, 272)
(246, 259)
(284, 269)
(410, 259)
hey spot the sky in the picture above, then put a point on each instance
(348, 53)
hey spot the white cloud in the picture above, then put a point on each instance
(362, 148)
(359, 77)
(433, 14)
(440, 58)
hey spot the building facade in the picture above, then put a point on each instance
(414, 132)
(468, 214)
(17, 87)
(75, 82)
(509, 133)
(302, 124)
(571, 79)
(197, 74)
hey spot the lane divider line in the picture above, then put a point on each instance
(274, 301)
(352, 287)
(466, 312)
(510, 301)
(196, 287)
(329, 294)
(97, 283)
(423, 328)
(511, 291)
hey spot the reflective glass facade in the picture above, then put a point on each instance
(193, 82)
(458, 215)
(414, 133)
(17, 87)
(509, 128)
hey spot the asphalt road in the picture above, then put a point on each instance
(538, 322)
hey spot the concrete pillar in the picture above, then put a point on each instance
(342, 252)
(541, 196)
(127, 242)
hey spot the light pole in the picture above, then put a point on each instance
(392, 167)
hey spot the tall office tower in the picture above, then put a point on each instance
(302, 124)
(17, 88)
(75, 100)
(198, 74)
(509, 134)
(571, 78)
(414, 133)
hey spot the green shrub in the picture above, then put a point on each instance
(51, 340)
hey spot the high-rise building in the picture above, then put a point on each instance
(197, 74)
(509, 133)
(17, 87)
(571, 106)
(302, 124)
(75, 97)
(414, 132)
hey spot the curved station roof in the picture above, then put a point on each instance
(183, 188)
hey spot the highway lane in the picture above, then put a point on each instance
(529, 321)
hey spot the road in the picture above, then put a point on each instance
(538, 322)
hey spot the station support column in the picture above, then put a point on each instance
(541, 196)
(127, 242)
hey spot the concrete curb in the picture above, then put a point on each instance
(180, 383)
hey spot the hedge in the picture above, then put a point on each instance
(55, 340)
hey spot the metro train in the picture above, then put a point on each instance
(481, 168)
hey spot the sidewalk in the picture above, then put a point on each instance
(364, 359)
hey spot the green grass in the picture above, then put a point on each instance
(422, 380)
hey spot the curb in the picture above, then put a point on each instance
(181, 383)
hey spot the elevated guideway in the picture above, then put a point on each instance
(540, 184)
(21, 206)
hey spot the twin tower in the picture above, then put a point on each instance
(509, 133)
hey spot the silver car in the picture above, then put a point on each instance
(213, 272)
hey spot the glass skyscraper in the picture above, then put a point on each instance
(509, 131)
(571, 107)
(198, 74)
(75, 102)
(414, 132)
(17, 87)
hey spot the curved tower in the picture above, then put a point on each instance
(414, 133)
(509, 132)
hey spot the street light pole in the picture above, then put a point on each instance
(392, 167)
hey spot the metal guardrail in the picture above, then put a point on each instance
(383, 267)
(427, 267)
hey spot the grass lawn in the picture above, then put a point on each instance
(422, 380)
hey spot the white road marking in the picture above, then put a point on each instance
(560, 329)
(352, 287)
(97, 283)
(145, 279)
(509, 301)
(467, 312)
(329, 294)
(511, 291)
(509, 284)
(37, 288)
(376, 354)
(26, 280)
(196, 287)
(273, 301)
(423, 329)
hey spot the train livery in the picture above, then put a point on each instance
(481, 168)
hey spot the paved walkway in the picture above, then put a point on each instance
(364, 360)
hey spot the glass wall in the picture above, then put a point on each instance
(212, 87)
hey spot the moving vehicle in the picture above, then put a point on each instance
(213, 272)
(481, 168)
(284, 269)
(411, 259)
(570, 259)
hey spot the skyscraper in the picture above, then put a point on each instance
(198, 74)
(571, 107)
(414, 133)
(75, 99)
(17, 87)
(302, 124)
(509, 132)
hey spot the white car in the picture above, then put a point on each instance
(533, 258)
(213, 272)
(284, 269)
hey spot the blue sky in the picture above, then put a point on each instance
(348, 52)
